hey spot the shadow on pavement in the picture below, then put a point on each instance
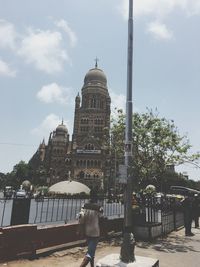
(173, 243)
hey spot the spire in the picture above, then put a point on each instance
(77, 100)
(96, 62)
(77, 97)
(42, 144)
(62, 121)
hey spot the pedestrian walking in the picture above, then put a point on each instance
(187, 205)
(196, 210)
(89, 217)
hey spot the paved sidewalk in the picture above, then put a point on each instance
(175, 251)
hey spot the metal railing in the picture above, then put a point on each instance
(5, 211)
(64, 210)
(164, 210)
(53, 210)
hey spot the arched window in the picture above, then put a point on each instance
(93, 103)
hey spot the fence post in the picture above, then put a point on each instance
(20, 211)
(174, 214)
(162, 216)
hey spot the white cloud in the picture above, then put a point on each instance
(44, 50)
(117, 101)
(5, 69)
(70, 33)
(8, 34)
(54, 93)
(48, 125)
(160, 8)
(159, 31)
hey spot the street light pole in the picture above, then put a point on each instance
(127, 249)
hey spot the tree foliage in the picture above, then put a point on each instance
(23, 171)
(15, 178)
(156, 145)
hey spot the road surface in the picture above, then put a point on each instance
(175, 251)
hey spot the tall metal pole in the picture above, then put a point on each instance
(127, 249)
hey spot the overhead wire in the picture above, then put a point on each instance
(15, 144)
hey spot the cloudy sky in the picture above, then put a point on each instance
(47, 47)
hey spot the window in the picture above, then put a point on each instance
(93, 102)
(89, 147)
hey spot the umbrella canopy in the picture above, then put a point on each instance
(69, 187)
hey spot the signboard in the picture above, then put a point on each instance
(122, 177)
(128, 148)
(85, 151)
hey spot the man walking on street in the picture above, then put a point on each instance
(196, 209)
(187, 205)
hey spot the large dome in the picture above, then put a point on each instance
(69, 187)
(95, 76)
(61, 129)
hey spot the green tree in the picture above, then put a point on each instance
(156, 145)
(19, 174)
(2, 180)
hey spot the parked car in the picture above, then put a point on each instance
(21, 193)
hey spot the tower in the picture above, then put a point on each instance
(90, 140)
(58, 146)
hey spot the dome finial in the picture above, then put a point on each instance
(96, 62)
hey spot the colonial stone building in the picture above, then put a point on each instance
(86, 157)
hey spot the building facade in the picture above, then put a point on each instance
(86, 157)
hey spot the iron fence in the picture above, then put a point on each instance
(5, 211)
(64, 210)
(51, 210)
(164, 210)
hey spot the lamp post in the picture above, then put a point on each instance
(127, 248)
